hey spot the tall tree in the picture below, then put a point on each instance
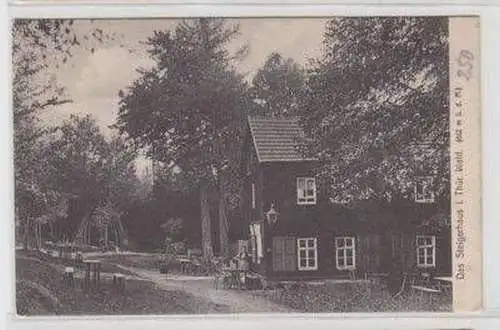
(94, 172)
(377, 106)
(277, 87)
(39, 46)
(36, 45)
(186, 109)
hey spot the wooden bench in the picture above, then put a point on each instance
(425, 289)
(445, 284)
(422, 290)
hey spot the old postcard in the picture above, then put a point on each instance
(251, 165)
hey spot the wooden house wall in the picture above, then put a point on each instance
(281, 189)
(373, 228)
(372, 260)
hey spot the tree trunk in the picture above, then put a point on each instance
(223, 220)
(106, 236)
(206, 231)
(27, 233)
(38, 240)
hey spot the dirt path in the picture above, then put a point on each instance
(202, 287)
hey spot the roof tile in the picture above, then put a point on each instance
(277, 140)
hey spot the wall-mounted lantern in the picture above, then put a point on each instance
(272, 215)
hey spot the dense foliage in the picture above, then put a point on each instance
(56, 167)
(277, 87)
(91, 170)
(186, 110)
(374, 104)
(377, 106)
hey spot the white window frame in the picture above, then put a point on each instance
(302, 198)
(427, 195)
(342, 250)
(424, 247)
(253, 196)
(306, 248)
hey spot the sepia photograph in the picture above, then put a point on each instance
(237, 165)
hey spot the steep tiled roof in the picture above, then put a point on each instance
(276, 140)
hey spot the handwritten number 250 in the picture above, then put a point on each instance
(465, 63)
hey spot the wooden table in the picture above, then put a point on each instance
(185, 265)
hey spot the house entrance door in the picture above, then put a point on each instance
(370, 249)
(284, 254)
(403, 252)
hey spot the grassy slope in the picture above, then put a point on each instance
(353, 297)
(40, 291)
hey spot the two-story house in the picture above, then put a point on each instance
(294, 232)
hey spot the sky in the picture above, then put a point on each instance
(92, 80)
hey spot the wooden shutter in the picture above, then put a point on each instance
(290, 260)
(412, 250)
(409, 251)
(278, 253)
(369, 251)
(284, 255)
(396, 246)
(364, 252)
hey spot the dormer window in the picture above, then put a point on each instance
(424, 192)
(306, 191)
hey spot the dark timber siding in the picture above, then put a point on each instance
(385, 234)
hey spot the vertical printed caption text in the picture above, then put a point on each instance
(464, 73)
